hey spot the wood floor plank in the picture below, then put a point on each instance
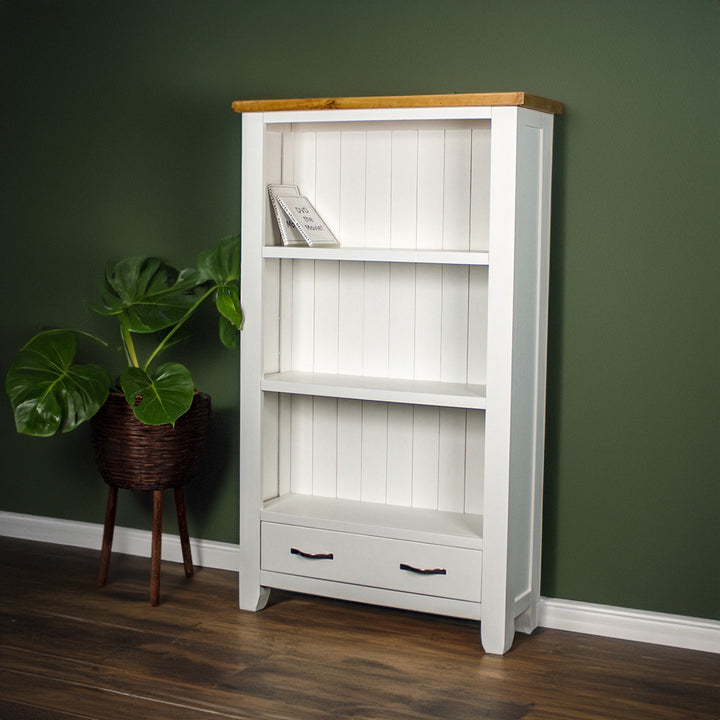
(87, 700)
(69, 648)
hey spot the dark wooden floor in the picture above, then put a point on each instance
(69, 650)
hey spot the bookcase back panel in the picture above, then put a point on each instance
(411, 456)
(399, 320)
(421, 185)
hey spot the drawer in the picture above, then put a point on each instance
(414, 567)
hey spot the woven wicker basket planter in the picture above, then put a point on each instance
(131, 455)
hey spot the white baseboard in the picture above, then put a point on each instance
(205, 553)
(604, 620)
(627, 624)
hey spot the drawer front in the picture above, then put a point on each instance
(406, 566)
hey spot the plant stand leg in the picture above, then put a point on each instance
(156, 548)
(107, 535)
(183, 530)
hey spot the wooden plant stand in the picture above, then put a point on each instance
(146, 458)
(156, 547)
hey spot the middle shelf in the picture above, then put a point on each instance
(382, 389)
(370, 254)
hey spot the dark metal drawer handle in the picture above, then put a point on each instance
(420, 571)
(311, 556)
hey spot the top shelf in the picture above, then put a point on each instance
(503, 99)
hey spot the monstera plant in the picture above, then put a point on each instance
(52, 393)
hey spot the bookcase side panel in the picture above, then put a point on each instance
(530, 339)
(524, 364)
(251, 360)
(497, 628)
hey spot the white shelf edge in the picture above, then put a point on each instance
(356, 387)
(435, 257)
(376, 519)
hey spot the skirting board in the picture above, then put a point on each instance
(127, 541)
(604, 620)
(626, 624)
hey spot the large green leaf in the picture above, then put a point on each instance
(222, 263)
(50, 394)
(227, 300)
(164, 396)
(229, 335)
(148, 294)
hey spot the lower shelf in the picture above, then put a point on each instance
(461, 530)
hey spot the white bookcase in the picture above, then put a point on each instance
(393, 388)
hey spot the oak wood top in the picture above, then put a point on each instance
(520, 99)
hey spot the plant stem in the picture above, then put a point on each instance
(177, 326)
(129, 345)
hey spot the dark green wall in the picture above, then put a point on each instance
(117, 138)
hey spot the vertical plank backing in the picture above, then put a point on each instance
(353, 165)
(430, 189)
(415, 186)
(374, 452)
(401, 326)
(400, 466)
(351, 317)
(480, 189)
(326, 325)
(403, 220)
(426, 439)
(454, 324)
(349, 449)
(376, 319)
(456, 190)
(378, 190)
(428, 319)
